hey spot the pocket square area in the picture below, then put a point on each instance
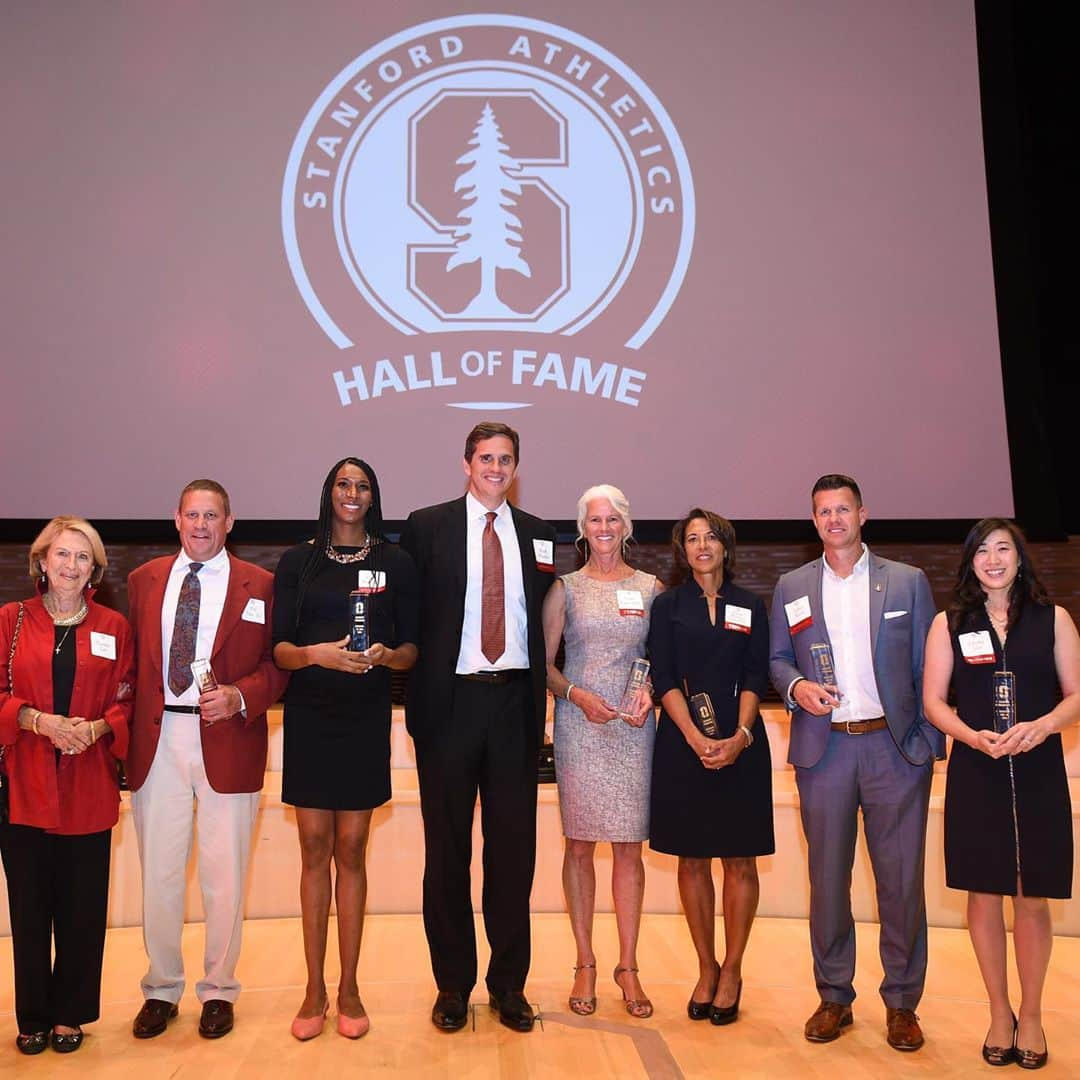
(894, 614)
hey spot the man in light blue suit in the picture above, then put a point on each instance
(859, 739)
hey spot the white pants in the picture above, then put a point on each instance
(163, 809)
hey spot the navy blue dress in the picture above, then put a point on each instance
(694, 811)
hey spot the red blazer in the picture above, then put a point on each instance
(78, 794)
(234, 750)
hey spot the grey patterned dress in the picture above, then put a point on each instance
(603, 769)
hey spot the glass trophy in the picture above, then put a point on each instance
(821, 658)
(631, 701)
(358, 621)
(205, 679)
(1004, 701)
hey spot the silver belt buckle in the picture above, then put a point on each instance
(848, 723)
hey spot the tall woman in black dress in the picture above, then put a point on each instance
(711, 797)
(336, 765)
(1008, 823)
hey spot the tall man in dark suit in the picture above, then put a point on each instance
(859, 739)
(475, 711)
(191, 748)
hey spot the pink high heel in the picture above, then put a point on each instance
(308, 1027)
(353, 1027)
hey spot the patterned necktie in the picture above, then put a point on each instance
(492, 605)
(185, 630)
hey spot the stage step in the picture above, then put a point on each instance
(395, 863)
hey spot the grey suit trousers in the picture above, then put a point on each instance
(867, 771)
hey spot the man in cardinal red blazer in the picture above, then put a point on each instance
(190, 748)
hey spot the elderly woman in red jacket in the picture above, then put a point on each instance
(65, 701)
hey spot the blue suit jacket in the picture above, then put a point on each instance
(897, 644)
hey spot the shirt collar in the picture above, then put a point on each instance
(214, 566)
(474, 508)
(858, 570)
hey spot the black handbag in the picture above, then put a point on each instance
(11, 686)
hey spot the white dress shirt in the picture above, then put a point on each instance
(516, 651)
(213, 585)
(846, 606)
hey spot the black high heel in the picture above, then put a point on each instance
(726, 1014)
(1031, 1059)
(1001, 1055)
(700, 1010)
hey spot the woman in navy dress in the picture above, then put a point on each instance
(711, 796)
(1008, 822)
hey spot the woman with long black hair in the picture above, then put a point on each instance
(336, 766)
(1013, 659)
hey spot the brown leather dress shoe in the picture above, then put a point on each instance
(216, 1019)
(827, 1022)
(904, 1032)
(153, 1018)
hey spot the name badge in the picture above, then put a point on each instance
(630, 602)
(255, 611)
(103, 645)
(977, 648)
(371, 581)
(545, 555)
(737, 618)
(798, 614)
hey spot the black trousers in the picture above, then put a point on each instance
(58, 890)
(486, 746)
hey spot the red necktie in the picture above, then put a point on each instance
(492, 606)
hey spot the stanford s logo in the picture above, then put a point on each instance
(488, 173)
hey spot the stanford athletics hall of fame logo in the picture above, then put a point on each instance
(488, 173)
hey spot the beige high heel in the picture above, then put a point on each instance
(581, 1005)
(639, 1008)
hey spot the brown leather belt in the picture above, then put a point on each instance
(496, 678)
(861, 727)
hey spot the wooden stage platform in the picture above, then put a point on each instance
(396, 985)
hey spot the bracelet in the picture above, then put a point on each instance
(569, 688)
(93, 732)
(749, 738)
(37, 717)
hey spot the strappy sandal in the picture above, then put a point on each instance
(583, 1006)
(639, 1008)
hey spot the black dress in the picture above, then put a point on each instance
(988, 802)
(694, 811)
(337, 725)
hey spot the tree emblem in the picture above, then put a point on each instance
(491, 233)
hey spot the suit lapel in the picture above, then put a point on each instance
(456, 540)
(151, 624)
(236, 597)
(525, 552)
(817, 568)
(879, 582)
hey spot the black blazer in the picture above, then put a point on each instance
(435, 538)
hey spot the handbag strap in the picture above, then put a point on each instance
(11, 658)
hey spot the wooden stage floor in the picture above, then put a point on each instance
(395, 982)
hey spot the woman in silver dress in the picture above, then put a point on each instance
(603, 756)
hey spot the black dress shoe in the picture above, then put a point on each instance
(450, 1011)
(514, 1011)
(66, 1044)
(216, 1019)
(33, 1043)
(153, 1018)
(726, 1014)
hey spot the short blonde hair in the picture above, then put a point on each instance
(47, 537)
(619, 503)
